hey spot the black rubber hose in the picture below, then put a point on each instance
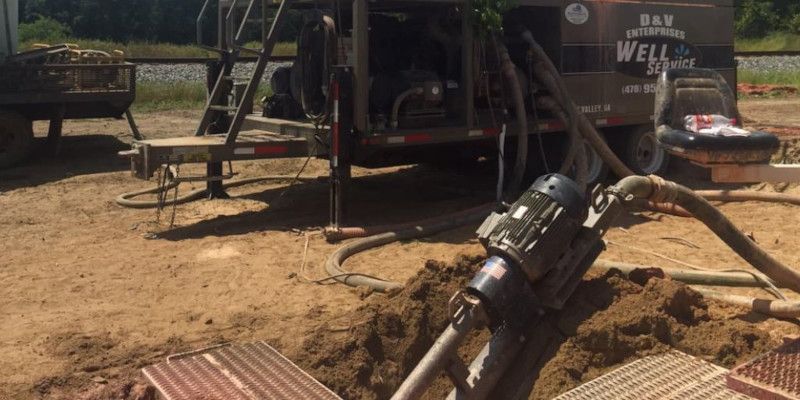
(509, 71)
(659, 190)
(127, 199)
(334, 263)
(316, 54)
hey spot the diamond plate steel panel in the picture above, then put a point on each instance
(670, 376)
(239, 372)
(774, 375)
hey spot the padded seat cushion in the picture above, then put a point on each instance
(757, 141)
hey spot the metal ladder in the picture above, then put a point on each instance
(212, 107)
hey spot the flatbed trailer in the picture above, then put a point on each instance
(609, 54)
(53, 83)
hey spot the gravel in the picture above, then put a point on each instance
(771, 63)
(197, 73)
(162, 73)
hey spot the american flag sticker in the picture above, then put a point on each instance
(494, 270)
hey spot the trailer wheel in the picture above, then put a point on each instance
(643, 154)
(598, 170)
(16, 138)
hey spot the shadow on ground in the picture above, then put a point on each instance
(79, 155)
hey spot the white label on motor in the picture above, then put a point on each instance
(520, 212)
(577, 13)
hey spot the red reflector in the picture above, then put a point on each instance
(615, 121)
(272, 149)
(418, 138)
(491, 131)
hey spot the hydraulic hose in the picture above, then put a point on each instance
(658, 190)
(509, 71)
(316, 54)
(551, 78)
(694, 277)
(576, 155)
(333, 265)
(127, 199)
(339, 234)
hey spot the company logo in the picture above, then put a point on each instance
(655, 46)
(577, 13)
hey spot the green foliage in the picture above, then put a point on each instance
(43, 29)
(791, 78)
(123, 21)
(153, 96)
(758, 18)
(771, 42)
(488, 16)
(755, 18)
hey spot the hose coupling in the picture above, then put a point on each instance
(664, 191)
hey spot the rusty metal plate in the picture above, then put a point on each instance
(237, 372)
(670, 376)
(774, 375)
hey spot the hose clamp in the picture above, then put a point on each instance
(664, 191)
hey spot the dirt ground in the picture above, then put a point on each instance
(91, 291)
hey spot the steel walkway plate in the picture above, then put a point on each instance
(774, 375)
(670, 376)
(237, 372)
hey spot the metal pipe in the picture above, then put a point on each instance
(775, 308)
(438, 357)
(490, 365)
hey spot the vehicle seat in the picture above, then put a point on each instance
(694, 91)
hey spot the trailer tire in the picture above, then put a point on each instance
(643, 153)
(16, 137)
(598, 169)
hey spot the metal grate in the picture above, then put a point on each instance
(774, 375)
(238, 372)
(673, 375)
(68, 78)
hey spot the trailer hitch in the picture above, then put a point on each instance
(539, 251)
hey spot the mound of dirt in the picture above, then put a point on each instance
(608, 322)
(389, 335)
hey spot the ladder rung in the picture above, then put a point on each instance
(223, 108)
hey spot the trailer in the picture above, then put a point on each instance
(54, 83)
(396, 82)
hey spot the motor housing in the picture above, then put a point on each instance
(539, 227)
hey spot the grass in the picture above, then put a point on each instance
(178, 95)
(773, 42)
(770, 77)
(145, 49)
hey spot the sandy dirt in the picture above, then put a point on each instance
(90, 294)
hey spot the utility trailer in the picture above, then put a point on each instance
(54, 83)
(410, 82)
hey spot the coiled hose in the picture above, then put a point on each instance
(333, 265)
(316, 54)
